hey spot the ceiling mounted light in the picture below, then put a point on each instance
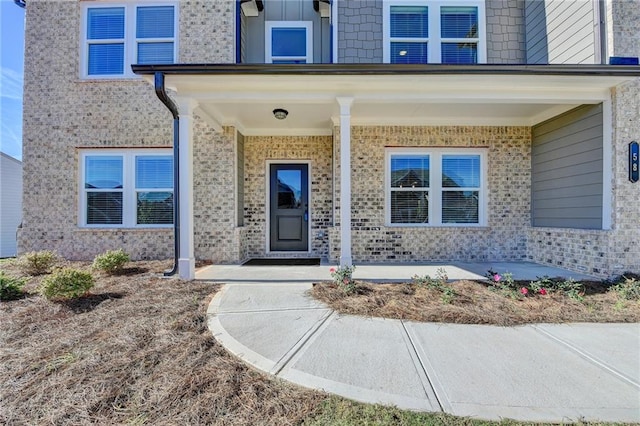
(280, 113)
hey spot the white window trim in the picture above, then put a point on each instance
(130, 40)
(435, 185)
(268, 28)
(129, 189)
(434, 45)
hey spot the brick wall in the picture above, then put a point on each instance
(63, 114)
(509, 173)
(317, 149)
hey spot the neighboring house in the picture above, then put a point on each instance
(504, 113)
(10, 203)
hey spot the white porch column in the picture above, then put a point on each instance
(186, 258)
(345, 180)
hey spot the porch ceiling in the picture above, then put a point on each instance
(473, 96)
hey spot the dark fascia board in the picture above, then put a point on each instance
(387, 69)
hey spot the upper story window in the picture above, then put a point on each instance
(288, 42)
(435, 186)
(116, 36)
(434, 31)
(126, 188)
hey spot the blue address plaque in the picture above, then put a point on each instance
(634, 161)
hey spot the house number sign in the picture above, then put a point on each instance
(634, 161)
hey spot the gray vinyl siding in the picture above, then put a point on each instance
(566, 170)
(243, 38)
(285, 10)
(561, 32)
(240, 179)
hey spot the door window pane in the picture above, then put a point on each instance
(289, 189)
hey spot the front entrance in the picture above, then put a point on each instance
(288, 207)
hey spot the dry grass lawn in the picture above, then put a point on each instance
(474, 303)
(137, 351)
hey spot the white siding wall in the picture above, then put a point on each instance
(10, 203)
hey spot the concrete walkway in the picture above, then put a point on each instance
(537, 373)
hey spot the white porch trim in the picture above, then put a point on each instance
(345, 180)
(186, 257)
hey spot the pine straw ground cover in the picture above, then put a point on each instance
(137, 351)
(475, 302)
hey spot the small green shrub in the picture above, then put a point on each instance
(628, 288)
(438, 283)
(10, 288)
(66, 283)
(37, 262)
(112, 261)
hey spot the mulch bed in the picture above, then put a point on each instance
(475, 303)
(137, 350)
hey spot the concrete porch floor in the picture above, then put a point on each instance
(381, 272)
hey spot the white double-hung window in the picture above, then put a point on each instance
(434, 31)
(118, 35)
(126, 188)
(435, 187)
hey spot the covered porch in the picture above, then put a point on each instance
(382, 272)
(382, 103)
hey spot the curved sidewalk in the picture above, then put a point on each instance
(536, 373)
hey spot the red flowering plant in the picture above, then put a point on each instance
(343, 278)
(541, 286)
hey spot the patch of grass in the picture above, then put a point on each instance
(337, 411)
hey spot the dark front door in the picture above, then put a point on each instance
(289, 207)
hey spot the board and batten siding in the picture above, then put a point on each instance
(253, 31)
(561, 32)
(567, 170)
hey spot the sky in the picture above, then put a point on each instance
(11, 77)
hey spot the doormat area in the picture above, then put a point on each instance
(315, 261)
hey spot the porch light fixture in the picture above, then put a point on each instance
(280, 113)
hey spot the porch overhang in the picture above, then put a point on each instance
(244, 96)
